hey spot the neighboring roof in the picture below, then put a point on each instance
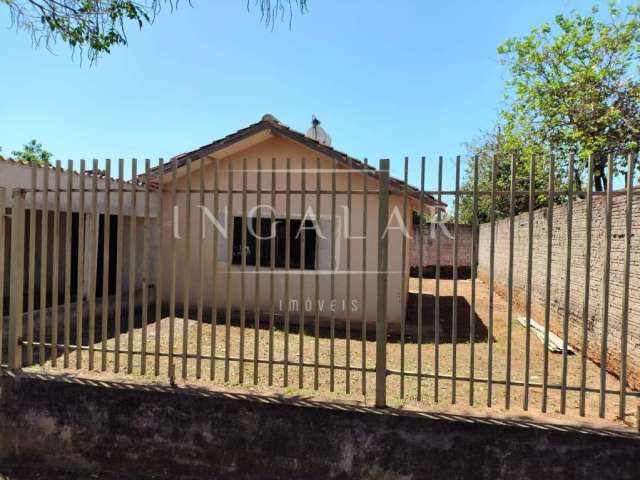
(269, 122)
(89, 172)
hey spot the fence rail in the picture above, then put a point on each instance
(205, 273)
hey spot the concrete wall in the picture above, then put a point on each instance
(188, 433)
(276, 147)
(431, 232)
(578, 259)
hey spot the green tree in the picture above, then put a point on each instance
(573, 87)
(96, 26)
(505, 148)
(32, 152)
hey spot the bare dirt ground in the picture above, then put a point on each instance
(347, 384)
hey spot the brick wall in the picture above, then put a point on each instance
(576, 291)
(445, 232)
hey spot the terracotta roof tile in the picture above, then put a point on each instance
(269, 122)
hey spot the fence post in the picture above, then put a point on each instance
(16, 280)
(383, 253)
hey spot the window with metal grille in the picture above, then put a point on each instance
(279, 236)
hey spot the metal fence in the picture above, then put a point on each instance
(182, 300)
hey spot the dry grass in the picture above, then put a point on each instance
(348, 386)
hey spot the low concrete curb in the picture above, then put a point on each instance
(190, 433)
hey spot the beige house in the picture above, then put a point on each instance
(264, 152)
(340, 251)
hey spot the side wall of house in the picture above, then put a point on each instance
(47, 255)
(577, 272)
(14, 175)
(188, 268)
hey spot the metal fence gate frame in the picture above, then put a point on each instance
(20, 256)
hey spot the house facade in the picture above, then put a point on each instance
(202, 247)
(270, 168)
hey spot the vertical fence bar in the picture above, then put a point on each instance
(3, 217)
(175, 226)
(272, 276)
(81, 245)
(106, 227)
(119, 265)
(365, 178)
(606, 273)
(587, 284)
(55, 281)
(567, 287)
(381, 319)
(32, 264)
(243, 270)
(93, 258)
(145, 269)
(214, 274)
(287, 268)
(527, 340)
(316, 330)
(625, 289)
(436, 321)
(186, 306)
(547, 296)
(454, 307)
(512, 207)
(403, 293)
(420, 275)
(332, 277)
(303, 184)
(159, 267)
(492, 258)
(474, 254)
(44, 247)
(67, 263)
(200, 313)
(132, 262)
(17, 279)
(227, 326)
(347, 221)
(258, 257)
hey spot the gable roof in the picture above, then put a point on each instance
(272, 124)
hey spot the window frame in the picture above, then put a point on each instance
(312, 245)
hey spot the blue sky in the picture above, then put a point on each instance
(387, 79)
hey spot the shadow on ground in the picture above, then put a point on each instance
(447, 327)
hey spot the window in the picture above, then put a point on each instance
(295, 242)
